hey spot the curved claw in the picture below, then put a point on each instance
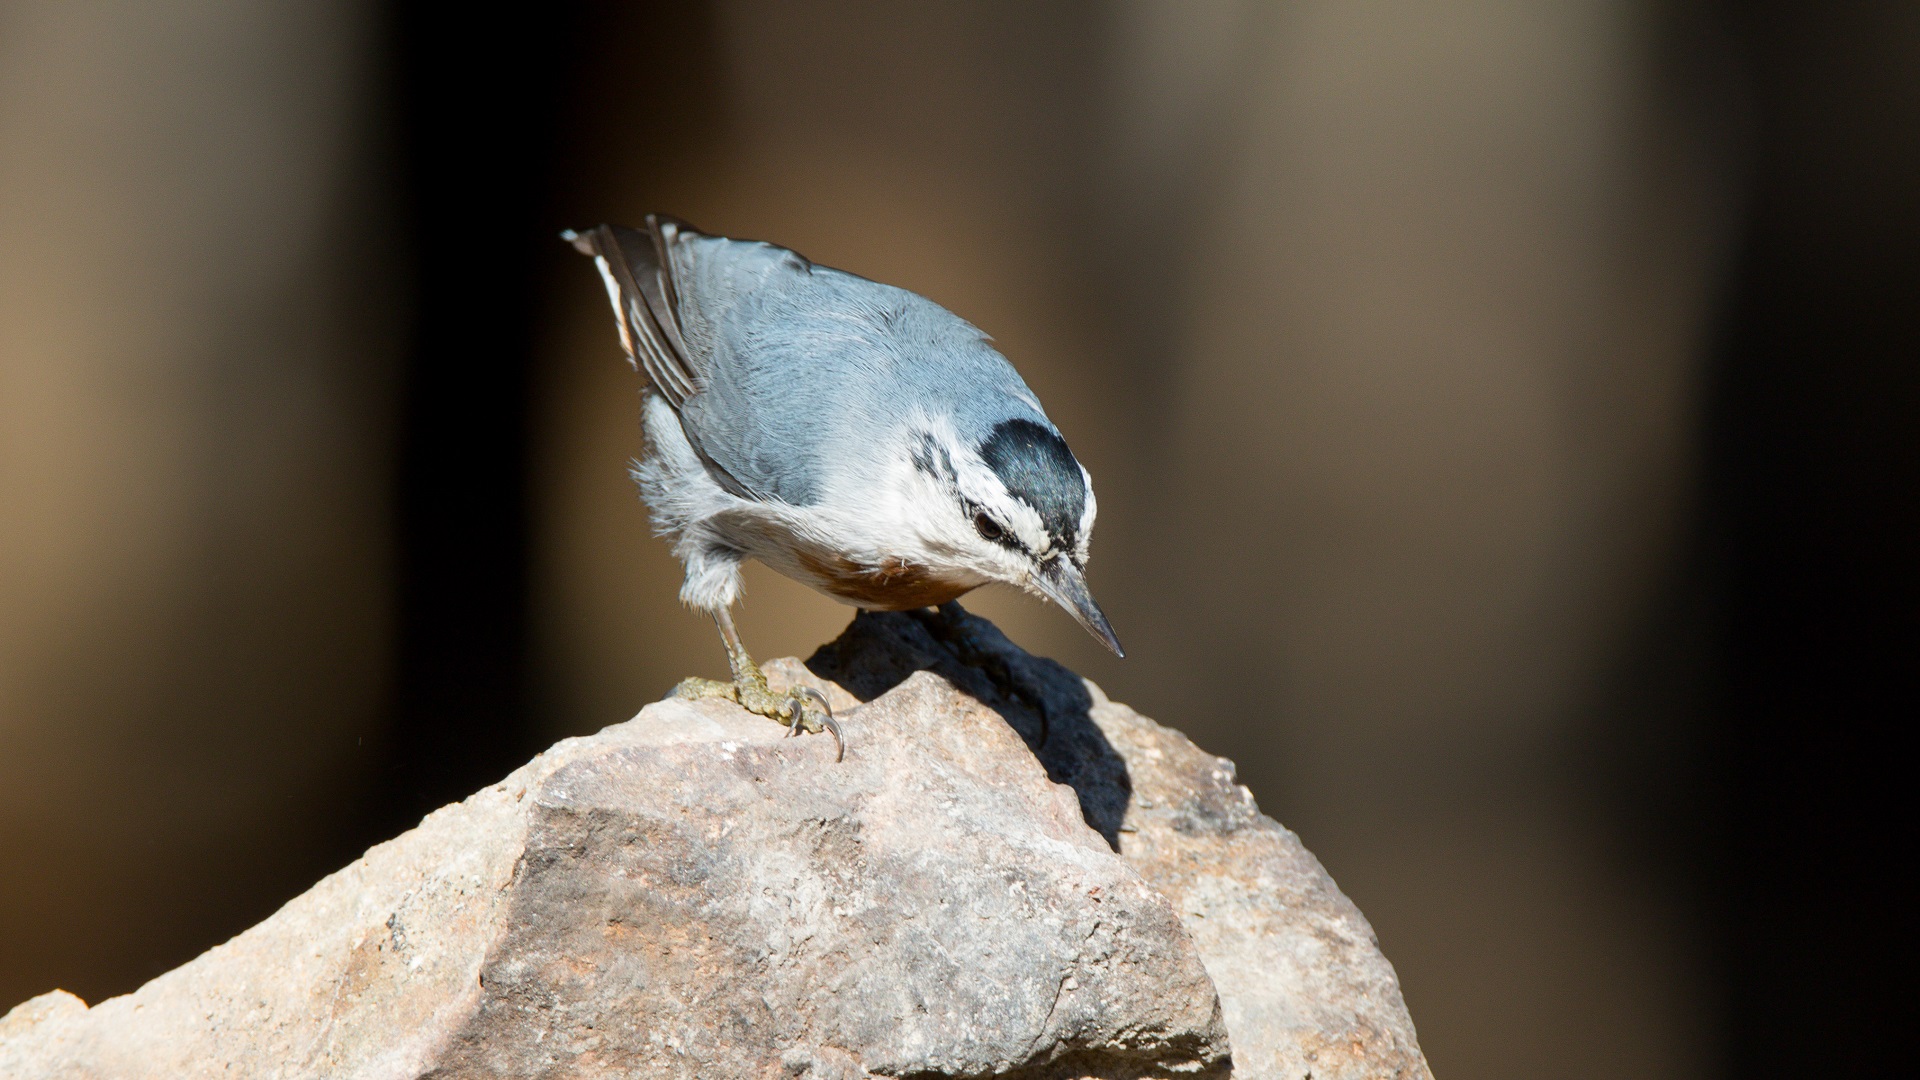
(826, 713)
(819, 699)
(839, 740)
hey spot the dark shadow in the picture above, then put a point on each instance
(1042, 701)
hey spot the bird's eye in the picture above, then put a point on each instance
(989, 528)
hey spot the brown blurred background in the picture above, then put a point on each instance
(1504, 416)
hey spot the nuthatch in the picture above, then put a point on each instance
(851, 435)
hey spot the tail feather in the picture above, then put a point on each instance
(637, 266)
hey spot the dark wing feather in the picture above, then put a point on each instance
(641, 265)
(640, 262)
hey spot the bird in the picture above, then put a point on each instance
(854, 436)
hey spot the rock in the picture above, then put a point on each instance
(1303, 986)
(689, 894)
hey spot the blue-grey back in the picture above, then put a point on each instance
(808, 369)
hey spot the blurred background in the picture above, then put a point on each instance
(1504, 415)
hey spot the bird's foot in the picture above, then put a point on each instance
(801, 709)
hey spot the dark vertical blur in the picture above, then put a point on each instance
(492, 116)
(1814, 499)
(1504, 418)
(478, 105)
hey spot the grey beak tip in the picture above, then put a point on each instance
(1065, 586)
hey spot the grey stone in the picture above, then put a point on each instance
(688, 894)
(1304, 988)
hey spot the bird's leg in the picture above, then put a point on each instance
(800, 709)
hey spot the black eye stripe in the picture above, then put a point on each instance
(990, 529)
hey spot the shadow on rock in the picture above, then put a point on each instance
(1046, 704)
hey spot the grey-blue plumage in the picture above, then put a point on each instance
(850, 434)
(800, 366)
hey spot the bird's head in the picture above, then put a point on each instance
(1014, 507)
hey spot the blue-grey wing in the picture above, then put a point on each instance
(796, 370)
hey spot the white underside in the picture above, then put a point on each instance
(714, 531)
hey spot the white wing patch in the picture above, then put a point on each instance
(619, 315)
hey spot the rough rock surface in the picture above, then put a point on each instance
(687, 894)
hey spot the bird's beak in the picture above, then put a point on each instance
(1063, 583)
